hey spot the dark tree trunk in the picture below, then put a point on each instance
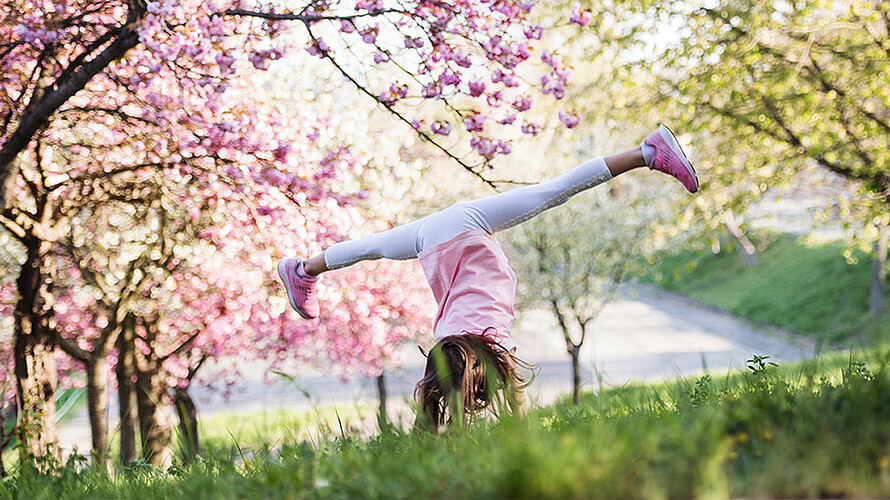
(35, 364)
(154, 410)
(188, 423)
(5, 439)
(382, 421)
(576, 375)
(125, 372)
(878, 274)
(97, 406)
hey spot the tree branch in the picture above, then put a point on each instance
(307, 18)
(398, 115)
(18, 232)
(60, 91)
(72, 349)
(561, 319)
(194, 369)
(181, 347)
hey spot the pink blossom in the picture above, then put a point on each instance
(494, 98)
(431, 90)
(225, 62)
(441, 128)
(523, 104)
(531, 128)
(477, 88)
(462, 60)
(522, 51)
(507, 120)
(413, 43)
(581, 17)
(484, 146)
(280, 153)
(449, 78)
(474, 122)
(346, 26)
(548, 59)
(534, 32)
(369, 35)
(380, 57)
(570, 119)
(399, 91)
(260, 58)
(318, 48)
(369, 5)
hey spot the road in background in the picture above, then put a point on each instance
(646, 335)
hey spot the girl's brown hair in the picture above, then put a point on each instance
(467, 374)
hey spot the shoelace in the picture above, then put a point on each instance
(298, 283)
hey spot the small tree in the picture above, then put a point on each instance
(572, 260)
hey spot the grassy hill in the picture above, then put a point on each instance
(818, 429)
(811, 290)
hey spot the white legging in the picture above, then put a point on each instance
(494, 213)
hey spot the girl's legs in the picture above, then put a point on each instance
(660, 151)
(492, 214)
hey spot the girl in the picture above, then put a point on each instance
(473, 365)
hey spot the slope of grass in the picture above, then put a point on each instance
(811, 290)
(820, 429)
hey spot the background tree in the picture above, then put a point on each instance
(767, 89)
(572, 259)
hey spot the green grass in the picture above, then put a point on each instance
(818, 429)
(811, 290)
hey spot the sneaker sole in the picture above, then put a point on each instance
(668, 135)
(290, 298)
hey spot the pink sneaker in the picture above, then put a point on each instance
(670, 158)
(300, 291)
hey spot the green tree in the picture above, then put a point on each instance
(572, 259)
(766, 88)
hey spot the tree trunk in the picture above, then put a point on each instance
(878, 273)
(188, 423)
(154, 409)
(5, 438)
(35, 363)
(382, 421)
(576, 375)
(125, 372)
(97, 406)
(747, 250)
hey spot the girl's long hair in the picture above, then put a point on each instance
(465, 375)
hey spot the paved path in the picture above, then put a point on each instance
(646, 335)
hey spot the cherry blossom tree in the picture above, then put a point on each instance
(98, 92)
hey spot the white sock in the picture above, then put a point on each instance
(648, 153)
